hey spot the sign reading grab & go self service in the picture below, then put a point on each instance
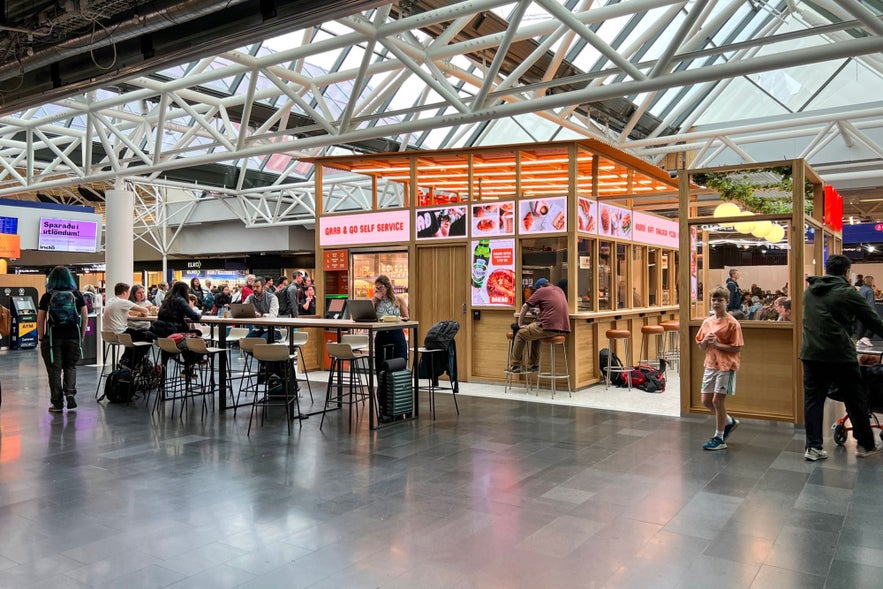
(364, 228)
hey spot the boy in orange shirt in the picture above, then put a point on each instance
(720, 337)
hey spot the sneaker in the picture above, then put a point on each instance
(813, 454)
(715, 443)
(864, 343)
(71, 402)
(862, 453)
(535, 368)
(728, 429)
(514, 370)
(55, 408)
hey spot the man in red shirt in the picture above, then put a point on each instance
(552, 318)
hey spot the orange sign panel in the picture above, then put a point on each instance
(336, 260)
(10, 246)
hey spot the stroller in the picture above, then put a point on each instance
(872, 383)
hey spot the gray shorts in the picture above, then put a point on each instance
(721, 382)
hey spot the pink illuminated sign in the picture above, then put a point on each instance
(654, 230)
(365, 228)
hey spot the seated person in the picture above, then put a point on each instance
(552, 319)
(756, 306)
(138, 295)
(116, 319)
(265, 305)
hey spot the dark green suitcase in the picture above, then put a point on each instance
(399, 393)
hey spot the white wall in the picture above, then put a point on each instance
(770, 278)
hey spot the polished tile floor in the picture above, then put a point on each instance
(508, 495)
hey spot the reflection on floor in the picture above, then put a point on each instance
(507, 495)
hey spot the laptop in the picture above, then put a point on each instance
(242, 310)
(361, 310)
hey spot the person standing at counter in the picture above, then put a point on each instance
(309, 305)
(734, 290)
(388, 303)
(830, 309)
(552, 319)
(61, 321)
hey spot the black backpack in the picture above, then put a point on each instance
(440, 335)
(119, 387)
(284, 300)
(615, 362)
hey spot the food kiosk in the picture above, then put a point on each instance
(475, 228)
(775, 223)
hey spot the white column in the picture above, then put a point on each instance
(119, 251)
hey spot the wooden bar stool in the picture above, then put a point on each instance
(270, 358)
(552, 373)
(110, 346)
(672, 353)
(613, 335)
(648, 332)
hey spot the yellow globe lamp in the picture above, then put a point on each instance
(726, 209)
(745, 226)
(761, 229)
(776, 234)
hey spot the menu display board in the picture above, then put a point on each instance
(588, 216)
(615, 221)
(493, 272)
(388, 226)
(441, 222)
(335, 260)
(543, 215)
(654, 230)
(493, 219)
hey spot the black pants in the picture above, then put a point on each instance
(818, 378)
(133, 356)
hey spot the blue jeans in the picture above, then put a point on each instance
(264, 333)
(818, 377)
(61, 365)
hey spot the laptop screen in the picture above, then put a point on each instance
(242, 310)
(361, 310)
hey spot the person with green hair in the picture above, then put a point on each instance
(61, 319)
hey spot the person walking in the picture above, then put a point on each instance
(830, 309)
(62, 317)
(720, 337)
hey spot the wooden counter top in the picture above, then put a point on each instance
(639, 311)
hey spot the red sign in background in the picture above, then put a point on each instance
(833, 209)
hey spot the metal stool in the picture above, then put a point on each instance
(352, 390)
(672, 353)
(552, 374)
(298, 340)
(613, 335)
(647, 332)
(268, 357)
(511, 337)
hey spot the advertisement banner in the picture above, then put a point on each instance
(494, 219)
(654, 230)
(588, 216)
(364, 228)
(441, 222)
(493, 272)
(615, 221)
(68, 235)
(543, 215)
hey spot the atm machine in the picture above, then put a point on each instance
(24, 323)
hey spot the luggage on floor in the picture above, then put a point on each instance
(119, 387)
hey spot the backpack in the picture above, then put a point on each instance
(284, 301)
(63, 308)
(208, 300)
(119, 387)
(440, 335)
(615, 378)
(5, 321)
(649, 379)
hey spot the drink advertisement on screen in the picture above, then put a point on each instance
(493, 219)
(588, 216)
(543, 215)
(68, 235)
(615, 221)
(441, 222)
(493, 272)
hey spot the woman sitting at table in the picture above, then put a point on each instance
(389, 344)
(175, 313)
(138, 295)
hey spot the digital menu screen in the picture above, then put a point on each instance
(441, 222)
(493, 272)
(493, 219)
(587, 221)
(615, 221)
(68, 235)
(543, 215)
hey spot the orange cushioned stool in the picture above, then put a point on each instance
(648, 332)
(552, 373)
(672, 353)
(614, 335)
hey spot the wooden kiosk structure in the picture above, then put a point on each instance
(464, 234)
(778, 226)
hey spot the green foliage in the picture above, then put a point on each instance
(737, 186)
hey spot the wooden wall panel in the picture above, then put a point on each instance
(439, 292)
(489, 344)
(764, 387)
